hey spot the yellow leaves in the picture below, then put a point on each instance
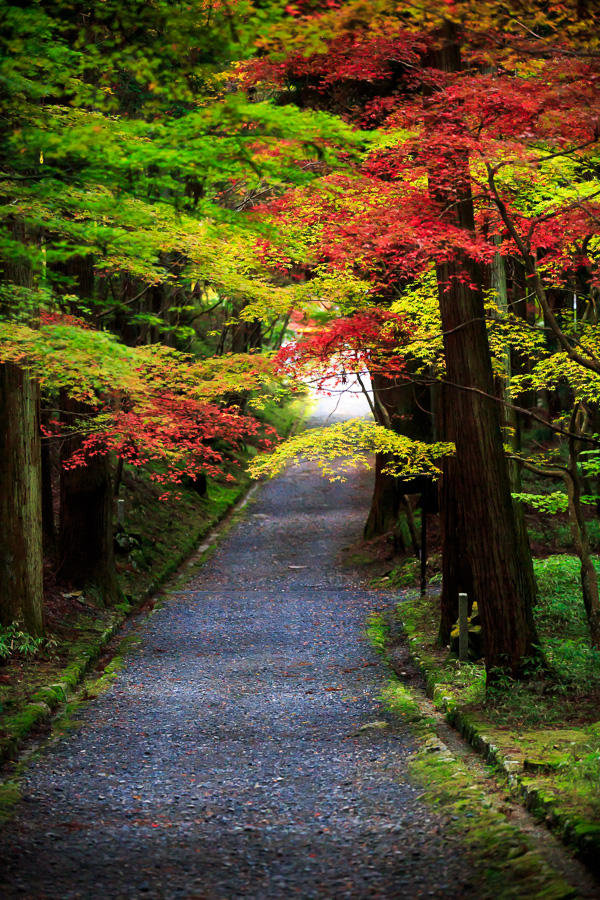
(419, 303)
(342, 447)
(555, 370)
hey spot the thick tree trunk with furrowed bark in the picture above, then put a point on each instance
(456, 567)
(21, 556)
(21, 584)
(501, 566)
(501, 569)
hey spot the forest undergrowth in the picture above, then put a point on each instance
(546, 728)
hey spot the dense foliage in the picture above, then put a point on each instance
(412, 189)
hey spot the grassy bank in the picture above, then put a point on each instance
(545, 733)
(503, 861)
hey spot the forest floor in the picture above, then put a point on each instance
(249, 742)
(544, 734)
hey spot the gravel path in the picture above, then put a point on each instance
(224, 761)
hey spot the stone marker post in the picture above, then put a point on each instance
(463, 627)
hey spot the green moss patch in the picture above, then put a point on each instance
(10, 794)
(543, 733)
(504, 863)
(502, 856)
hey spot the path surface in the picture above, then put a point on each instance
(224, 762)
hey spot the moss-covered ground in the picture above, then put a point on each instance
(506, 861)
(546, 731)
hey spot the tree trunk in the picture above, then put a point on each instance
(385, 503)
(503, 582)
(21, 561)
(395, 406)
(579, 531)
(48, 526)
(21, 555)
(502, 569)
(86, 552)
(456, 568)
(581, 541)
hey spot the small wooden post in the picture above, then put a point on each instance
(463, 627)
(120, 512)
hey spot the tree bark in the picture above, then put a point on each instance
(86, 552)
(502, 572)
(395, 406)
(21, 561)
(21, 555)
(385, 503)
(48, 526)
(579, 530)
(501, 567)
(581, 541)
(456, 567)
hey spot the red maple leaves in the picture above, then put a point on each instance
(371, 341)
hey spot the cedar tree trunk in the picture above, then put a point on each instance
(501, 566)
(503, 583)
(456, 568)
(21, 561)
(86, 552)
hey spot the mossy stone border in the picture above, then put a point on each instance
(583, 836)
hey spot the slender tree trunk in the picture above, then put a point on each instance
(395, 406)
(21, 561)
(579, 531)
(48, 525)
(410, 521)
(86, 552)
(581, 541)
(456, 568)
(385, 503)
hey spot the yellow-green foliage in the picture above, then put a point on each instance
(419, 303)
(346, 445)
(88, 363)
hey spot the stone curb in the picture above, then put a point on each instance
(583, 836)
(45, 702)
